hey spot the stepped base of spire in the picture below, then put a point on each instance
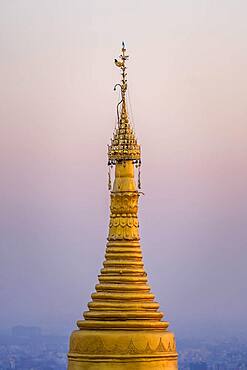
(125, 324)
(122, 350)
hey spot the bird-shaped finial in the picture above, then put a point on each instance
(119, 63)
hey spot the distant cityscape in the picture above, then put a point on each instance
(26, 348)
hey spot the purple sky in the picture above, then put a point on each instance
(188, 93)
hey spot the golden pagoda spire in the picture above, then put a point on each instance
(123, 328)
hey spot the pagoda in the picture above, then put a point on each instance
(123, 327)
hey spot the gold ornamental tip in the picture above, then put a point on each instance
(124, 146)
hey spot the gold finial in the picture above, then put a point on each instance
(124, 146)
(121, 64)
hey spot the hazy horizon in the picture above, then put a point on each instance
(188, 92)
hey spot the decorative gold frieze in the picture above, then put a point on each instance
(97, 346)
(124, 203)
(123, 228)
